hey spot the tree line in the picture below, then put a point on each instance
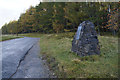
(56, 17)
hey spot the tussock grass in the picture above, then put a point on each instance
(57, 48)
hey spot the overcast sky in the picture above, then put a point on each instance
(11, 9)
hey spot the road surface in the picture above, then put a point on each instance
(20, 59)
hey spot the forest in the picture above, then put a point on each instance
(57, 17)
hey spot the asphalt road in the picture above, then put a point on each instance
(20, 59)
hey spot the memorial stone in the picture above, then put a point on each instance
(85, 41)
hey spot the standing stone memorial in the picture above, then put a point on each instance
(85, 41)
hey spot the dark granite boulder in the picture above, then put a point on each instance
(85, 41)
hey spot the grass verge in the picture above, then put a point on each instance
(8, 37)
(56, 49)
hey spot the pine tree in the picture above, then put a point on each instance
(58, 20)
